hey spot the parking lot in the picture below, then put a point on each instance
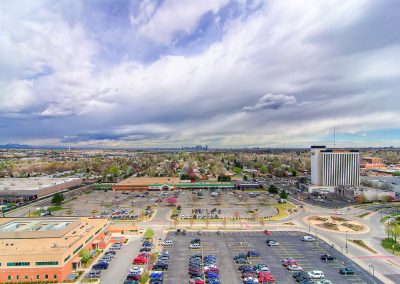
(229, 244)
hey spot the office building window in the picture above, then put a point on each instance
(46, 276)
(26, 277)
(9, 277)
(37, 277)
(17, 277)
(43, 263)
(55, 276)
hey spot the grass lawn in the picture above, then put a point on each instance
(282, 207)
(389, 216)
(387, 244)
(50, 209)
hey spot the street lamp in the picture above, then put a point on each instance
(309, 224)
(347, 249)
(373, 271)
(316, 232)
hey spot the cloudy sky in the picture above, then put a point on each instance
(162, 73)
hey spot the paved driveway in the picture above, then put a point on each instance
(119, 266)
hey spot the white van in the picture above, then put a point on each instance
(168, 243)
(316, 274)
(308, 239)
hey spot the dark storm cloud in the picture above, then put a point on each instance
(132, 72)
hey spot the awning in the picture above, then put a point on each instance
(77, 260)
(95, 242)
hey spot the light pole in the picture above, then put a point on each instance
(373, 271)
(316, 232)
(309, 224)
(347, 249)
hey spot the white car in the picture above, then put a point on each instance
(308, 239)
(167, 243)
(194, 246)
(136, 270)
(316, 274)
(254, 280)
(294, 267)
(273, 244)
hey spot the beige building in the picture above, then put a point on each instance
(46, 249)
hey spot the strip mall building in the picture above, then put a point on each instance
(46, 249)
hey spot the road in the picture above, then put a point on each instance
(24, 210)
(119, 266)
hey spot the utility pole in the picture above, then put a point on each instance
(347, 249)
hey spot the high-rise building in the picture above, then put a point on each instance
(334, 167)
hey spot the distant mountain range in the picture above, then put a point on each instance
(15, 146)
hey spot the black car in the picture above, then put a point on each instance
(145, 249)
(327, 257)
(160, 266)
(253, 253)
(298, 274)
(196, 241)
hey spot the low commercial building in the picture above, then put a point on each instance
(146, 183)
(220, 186)
(32, 188)
(243, 185)
(372, 163)
(46, 249)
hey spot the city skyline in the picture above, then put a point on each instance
(219, 73)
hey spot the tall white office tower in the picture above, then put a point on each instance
(334, 167)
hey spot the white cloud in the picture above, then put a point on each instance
(270, 101)
(160, 24)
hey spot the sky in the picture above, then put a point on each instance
(222, 73)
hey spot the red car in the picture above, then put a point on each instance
(289, 262)
(140, 260)
(267, 232)
(212, 269)
(266, 277)
(247, 274)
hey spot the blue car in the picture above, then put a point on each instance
(100, 265)
(147, 244)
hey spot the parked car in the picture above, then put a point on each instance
(327, 257)
(267, 232)
(253, 253)
(272, 243)
(346, 271)
(316, 274)
(168, 243)
(294, 267)
(324, 281)
(100, 265)
(145, 249)
(194, 246)
(308, 239)
(160, 266)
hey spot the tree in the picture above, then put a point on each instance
(283, 194)
(360, 199)
(262, 221)
(224, 178)
(113, 170)
(171, 201)
(85, 255)
(264, 169)
(245, 178)
(273, 189)
(237, 170)
(144, 277)
(57, 199)
(149, 233)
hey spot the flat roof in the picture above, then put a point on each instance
(145, 181)
(38, 242)
(36, 183)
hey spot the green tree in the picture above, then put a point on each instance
(245, 178)
(149, 233)
(273, 189)
(264, 169)
(57, 199)
(283, 195)
(237, 170)
(85, 255)
(224, 178)
(144, 277)
(113, 170)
